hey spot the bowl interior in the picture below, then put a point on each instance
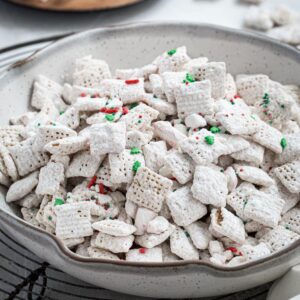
(135, 45)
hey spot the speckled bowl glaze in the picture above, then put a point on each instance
(135, 45)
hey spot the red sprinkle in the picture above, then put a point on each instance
(197, 137)
(234, 250)
(109, 110)
(173, 178)
(132, 81)
(83, 94)
(237, 96)
(140, 116)
(142, 250)
(195, 129)
(241, 170)
(92, 182)
(125, 110)
(101, 189)
(106, 206)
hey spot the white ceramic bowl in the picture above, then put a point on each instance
(129, 46)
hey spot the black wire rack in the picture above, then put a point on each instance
(24, 276)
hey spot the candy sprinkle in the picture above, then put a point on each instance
(136, 166)
(209, 139)
(101, 189)
(58, 201)
(109, 117)
(125, 110)
(283, 143)
(215, 129)
(135, 150)
(142, 250)
(172, 52)
(132, 81)
(188, 78)
(92, 182)
(133, 105)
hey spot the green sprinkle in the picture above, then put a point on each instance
(154, 96)
(133, 105)
(266, 96)
(49, 218)
(209, 139)
(62, 112)
(187, 234)
(139, 121)
(38, 124)
(287, 227)
(245, 203)
(135, 150)
(172, 52)
(253, 117)
(282, 106)
(109, 117)
(222, 170)
(59, 201)
(283, 143)
(215, 129)
(189, 77)
(136, 166)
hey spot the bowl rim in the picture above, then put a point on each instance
(64, 251)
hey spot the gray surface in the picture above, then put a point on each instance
(18, 24)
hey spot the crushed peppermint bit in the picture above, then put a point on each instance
(135, 150)
(283, 143)
(58, 201)
(172, 52)
(209, 139)
(136, 165)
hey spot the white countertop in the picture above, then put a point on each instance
(18, 24)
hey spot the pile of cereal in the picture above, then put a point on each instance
(176, 160)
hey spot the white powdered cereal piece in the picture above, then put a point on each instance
(50, 178)
(10, 165)
(107, 138)
(196, 61)
(253, 154)
(149, 189)
(291, 151)
(218, 259)
(215, 247)
(168, 256)
(115, 244)
(132, 91)
(89, 72)
(70, 118)
(252, 88)
(44, 89)
(279, 238)
(255, 252)
(168, 133)
(22, 187)
(237, 260)
(263, 208)
(210, 186)
(215, 72)
(287, 34)
(290, 127)
(31, 200)
(142, 218)
(71, 243)
(155, 153)
(23, 119)
(238, 198)
(282, 15)
(170, 80)
(253, 175)
(160, 105)
(151, 240)
(291, 220)
(114, 227)
(63, 159)
(173, 60)
(180, 165)
(131, 208)
(200, 235)
(184, 208)
(67, 146)
(158, 225)
(84, 164)
(101, 253)
(157, 85)
(139, 117)
(195, 121)
(104, 174)
(233, 143)
(11, 135)
(240, 123)
(182, 246)
(49, 133)
(135, 138)
(124, 217)
(194, 97)
(268, 137)
(232, 180)
(145, 255)
(82, 249)
(29, 215)
(253, 226)
(258, 18)
(121, 165)
(289, 175)
(71, 93)
(91, 104)
(230, 87)
(227, 224)
(182, 128)
(73, 220)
